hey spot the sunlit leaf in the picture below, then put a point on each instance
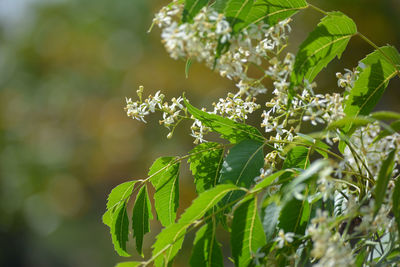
(328, 40)
(165, 179)
(230, 130)
(205, 164)
(118, 195)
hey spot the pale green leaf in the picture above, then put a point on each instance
(118, 195)
(120, 230)
(385, 173)
(128, 264)
(236, 12)
(205, 163)
(327, 41)
(230, 130)
(273, 11)
(268, 180)
(206, 249)
(247, 234)
(270, 221)
(372, 81)
(386, 115)
(192, 7)
(396, 203)
(241, 166)
(140, 217)
(165, 179)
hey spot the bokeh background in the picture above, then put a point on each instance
(65, 69)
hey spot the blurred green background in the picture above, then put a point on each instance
(65, 68)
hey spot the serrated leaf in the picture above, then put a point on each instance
(396, 203)
(230, 130)
(270, 221)
(205, 163)
(165, 179)
(384, 176)
(140, 217)
(236, 12)
(118, 195)
(128, 264)
(120, 230)
(372, 81)
(241, 166)
(206, 249)
(247, 234)
(327, 41)
(273, 11)
(169, 241)
(192, 7)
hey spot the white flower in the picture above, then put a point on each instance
(284, 238)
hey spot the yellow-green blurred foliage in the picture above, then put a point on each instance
(65, 68)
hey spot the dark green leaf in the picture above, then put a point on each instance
(385, 173)
(120, 230)
(230, 130)
(140, 217)
(220, 5)
(241, 166)
(247, 234)
(165, 179)
(192, 7)
(118, 195)
(206, 249)
(327, 41)
(169, 241)
(205, 164)
(372, 81)
(294, 216)
(271, 216)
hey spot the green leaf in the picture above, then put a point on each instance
(271, 217)
(169, 241)
(129, 264)
(192, 7)
(187, 67)
(294, 216)
(384, 176)
(247, 234)
(273, 11)
(316, 144)
(241, 166)
(220, 5)
(236, 12)
(350, 120)
(165, 179)
(205, 163)
(268, 180)
(327, 41)
(297, 157)
(393, 128)
(140, 217)
(120, 230)
(386, 115)
(396, 203)
(230, 130)
(118, 195)
(372, 81)
(206, 249)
